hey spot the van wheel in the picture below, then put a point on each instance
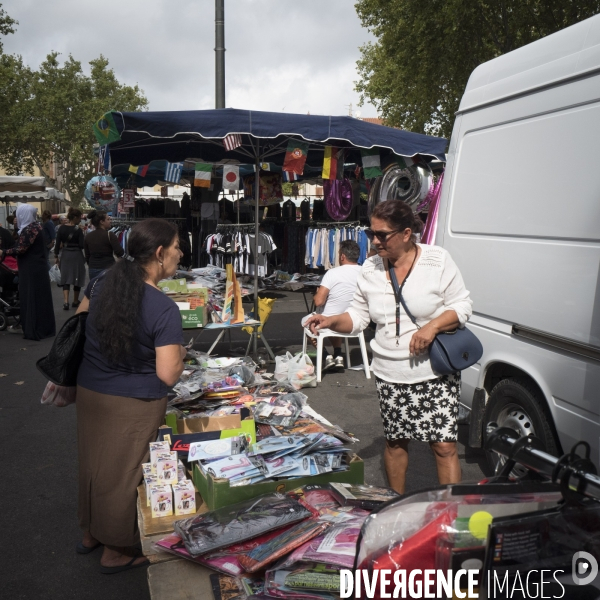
(3, 321)
(516, 404)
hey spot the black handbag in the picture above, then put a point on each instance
(62, 363)
(450, 351)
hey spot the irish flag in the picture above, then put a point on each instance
(203, 175)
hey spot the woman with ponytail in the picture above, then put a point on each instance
(133, 354)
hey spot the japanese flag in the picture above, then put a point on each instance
(231, 177)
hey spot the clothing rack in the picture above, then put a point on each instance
(225, 226)
(343, 223)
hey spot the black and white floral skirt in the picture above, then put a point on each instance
(425, 411)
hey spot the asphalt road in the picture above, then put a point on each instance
(38, 449)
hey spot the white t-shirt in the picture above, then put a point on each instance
(341, 283)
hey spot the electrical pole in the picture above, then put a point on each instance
(219, 53)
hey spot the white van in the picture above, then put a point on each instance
(520, 215)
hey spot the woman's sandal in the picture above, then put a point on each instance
(75, 304)
(129, 565)
(66, 306)
(81, 549)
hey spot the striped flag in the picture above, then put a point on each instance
(405, 161)
(290, 176)
(333, 163)
(232, 141)
(371, 163)
(104, 164)
(173, 172)
(141, 171)
(202, 175)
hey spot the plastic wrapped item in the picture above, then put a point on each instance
(404, 534)
(363, 496)
(58, 395)
(317, 497)
(267, 553)
(282, 411)
(301, 372)
(282, 366)
(304, 581)
(238, 522)
(244, 373)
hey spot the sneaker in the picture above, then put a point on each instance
(14, 329)
(339, 362)
(329, 363)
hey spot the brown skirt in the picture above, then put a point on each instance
(113, 433)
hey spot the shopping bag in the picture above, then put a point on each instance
(55, 274)
(58, 395)
(281, 367)
(301, 371)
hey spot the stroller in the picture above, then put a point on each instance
(9, 292)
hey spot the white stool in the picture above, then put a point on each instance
(328, 333)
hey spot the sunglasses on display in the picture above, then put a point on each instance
(382, 236)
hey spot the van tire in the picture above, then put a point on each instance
(515, 403)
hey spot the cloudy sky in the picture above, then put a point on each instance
(282, 55)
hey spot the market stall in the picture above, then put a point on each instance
(230, 145)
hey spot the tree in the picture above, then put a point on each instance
(417, 70)
(6, 25)
(48, 116)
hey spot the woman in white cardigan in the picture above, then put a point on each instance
(415, 402)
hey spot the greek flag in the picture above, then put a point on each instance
(173, 172)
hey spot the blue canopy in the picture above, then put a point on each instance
(198, 134)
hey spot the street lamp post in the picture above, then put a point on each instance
(219, 53)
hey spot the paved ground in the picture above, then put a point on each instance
(38, 446)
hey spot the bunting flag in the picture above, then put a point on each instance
(231, 177)
(104, 164)
(405, 162)
(371, 163)
(203, 175)
(232, 141)
(105, 129)
(173, 172)
(141, 171)
(295, 157)
(289, 176)
(333, 163)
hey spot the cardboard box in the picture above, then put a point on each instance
(166, 468)
(201, 424)
(217, 493)
(184, 498)
(161, 500)
(193, 319)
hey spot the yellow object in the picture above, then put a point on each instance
(479, 523)
(265, 306)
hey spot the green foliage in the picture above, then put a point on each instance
(286, 188)
(47, 117)
(417, 70)
(6, 24)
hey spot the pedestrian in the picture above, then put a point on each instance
(101, 245)
(10, 221)
(415, 402)
(69, 239)
(133, 354)
(35, 296)
(49, 233)
(6, 239)
(334, 296)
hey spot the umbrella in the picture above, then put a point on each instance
(175, 136)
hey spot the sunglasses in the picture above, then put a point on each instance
(382, 236)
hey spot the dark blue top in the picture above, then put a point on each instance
(159, 325)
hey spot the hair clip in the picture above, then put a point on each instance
(129, 258)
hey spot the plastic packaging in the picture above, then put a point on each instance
(282, 366)
(301, 372)
(267, 553)
(238, 522)
(55, 274)
(58, 395)
(363, 496)
(305, 581)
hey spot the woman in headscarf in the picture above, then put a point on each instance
(35, 296)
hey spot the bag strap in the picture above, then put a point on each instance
(398, 294)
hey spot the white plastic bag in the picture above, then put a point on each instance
(58, 395)
(54, 274)
(301, 372)
(281, 367)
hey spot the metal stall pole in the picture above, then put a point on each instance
(256, 207)
(219, 53)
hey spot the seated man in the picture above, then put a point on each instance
(334, 296)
